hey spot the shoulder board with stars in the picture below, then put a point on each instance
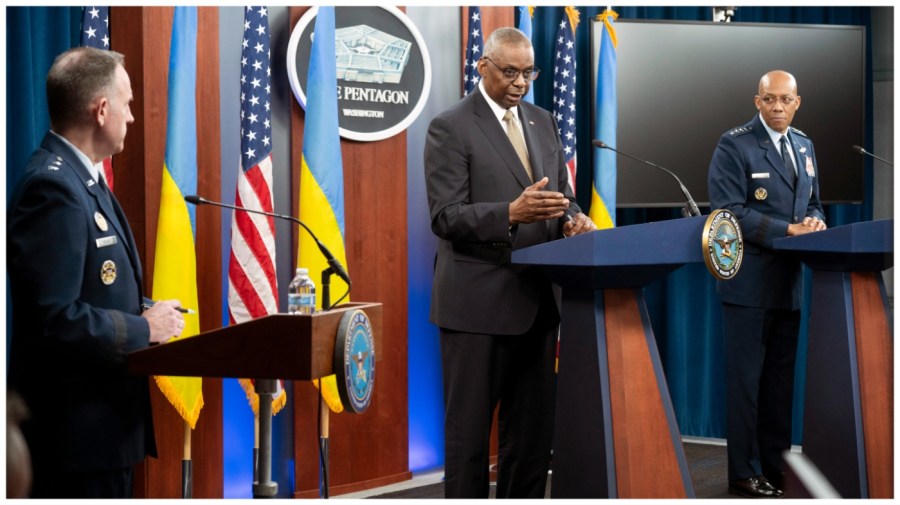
(740, 130)
(54, 163)
(798, 132)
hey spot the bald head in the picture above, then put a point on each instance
(779, 79)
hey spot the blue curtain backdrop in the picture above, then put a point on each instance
(683, 307)
(34, 37)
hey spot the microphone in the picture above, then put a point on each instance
(690, 208)
(860, 150)
(333, 264)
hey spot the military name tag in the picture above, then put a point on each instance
(107, 241)
(108, 272)
(723, 244)
(759, 175)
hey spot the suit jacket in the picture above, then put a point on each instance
(472, 173)
(747, 176)
(74, 320)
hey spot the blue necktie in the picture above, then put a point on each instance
(788, 162)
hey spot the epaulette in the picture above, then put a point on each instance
(740, 130)
(798, 132)
(54, 162)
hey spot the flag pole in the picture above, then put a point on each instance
(323, 441)
(186, 477)
(256, 447)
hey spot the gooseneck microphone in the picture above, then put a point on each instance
(690, 208)
(334, 265)
(860, 150)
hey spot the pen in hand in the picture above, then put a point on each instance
(145, 306)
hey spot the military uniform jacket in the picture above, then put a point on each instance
(75, 281)
(472, 173)
(747, 176)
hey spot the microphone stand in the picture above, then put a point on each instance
(334, 268)
(690, 207)
(860, 150)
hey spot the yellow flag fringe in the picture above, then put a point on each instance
(170, 391)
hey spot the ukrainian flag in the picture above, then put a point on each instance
(175, 268)
(322, 171)
(603, 192)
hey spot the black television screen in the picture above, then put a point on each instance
(680, 85)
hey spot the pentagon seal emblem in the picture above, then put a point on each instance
(723, 244)
(760, 193)
(354, 361)
(108, 272)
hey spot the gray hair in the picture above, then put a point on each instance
(76, 78)
(505, 36)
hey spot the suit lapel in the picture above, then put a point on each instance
(497, 138)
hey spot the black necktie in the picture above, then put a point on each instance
(788, 162)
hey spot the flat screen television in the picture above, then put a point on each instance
(680, 85)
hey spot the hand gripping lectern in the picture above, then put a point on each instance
(280, 346)
(616, 435)
(848, 413)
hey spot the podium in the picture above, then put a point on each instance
(848, 412)
(615, 435)
(280, 346)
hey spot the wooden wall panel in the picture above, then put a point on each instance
(143, 35)
(369, 449)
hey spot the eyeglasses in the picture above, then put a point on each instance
(785, 100)
(512, 74)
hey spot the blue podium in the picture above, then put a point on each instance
(848, 413)
(616, 435)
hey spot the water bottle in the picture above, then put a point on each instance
(301, 293)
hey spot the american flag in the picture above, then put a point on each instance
(564, 88)
(473, 51)
(252, 283)
(95, 33)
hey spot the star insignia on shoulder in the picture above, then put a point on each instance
(798, 132)
(740, 130)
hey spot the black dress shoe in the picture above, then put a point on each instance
(754, 487)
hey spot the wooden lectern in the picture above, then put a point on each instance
(616, 435)
(280, 346)
(848, 413)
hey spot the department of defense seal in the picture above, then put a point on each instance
(760, 193)
(108, 272)
(354, 361)
(723, 244)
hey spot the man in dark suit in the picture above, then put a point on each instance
(496, 181)
(765, 172)
(75, 280)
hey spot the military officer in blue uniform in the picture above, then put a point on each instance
(76, 289)
(765, 172)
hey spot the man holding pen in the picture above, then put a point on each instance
(76, 288)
